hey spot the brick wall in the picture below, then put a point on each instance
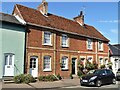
(77, 48)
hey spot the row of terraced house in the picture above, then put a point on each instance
(40, 43)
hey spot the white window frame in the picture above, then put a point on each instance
(91, 45)
(66, 60)
(100, 49)
(50, 43)
(8, 59)
(46, 69)
(84, 61)
(91, 61)
(101, 63)
(67, 41)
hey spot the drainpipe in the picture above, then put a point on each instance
(25, 48)
(55, 53)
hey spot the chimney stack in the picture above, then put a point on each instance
(80, 18)
(43, 7)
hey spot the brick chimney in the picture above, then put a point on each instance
(80, 18)
(43, 7)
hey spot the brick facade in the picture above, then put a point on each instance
(77, 48)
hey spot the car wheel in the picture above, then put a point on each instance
(98, 83)
(114, 81)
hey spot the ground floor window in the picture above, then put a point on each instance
(89, 59)
(47, 63)
(64, 62)
(101, 61)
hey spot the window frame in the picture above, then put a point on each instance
(67, 41)
(100, 49)
(91, 59)
(101, 63)
(8, 59)
(47, 69)
(90, 45)
(50, 38)
(66, 66)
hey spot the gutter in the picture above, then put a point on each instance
(60, 30)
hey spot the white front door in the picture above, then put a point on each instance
(9, 65)
(34, 66)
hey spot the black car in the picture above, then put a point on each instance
(118, 74)
(98, 77)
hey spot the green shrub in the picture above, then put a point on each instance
(28, 79)
(71, 77)
(41, 78)
(79, 73)
(59, 77)
(19, 78)
(24, 78)
(102, 66)
(47, 78)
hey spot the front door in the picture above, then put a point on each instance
(9, 65)
(34, 66)
(73, 65)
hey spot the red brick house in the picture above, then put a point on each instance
(55, 44)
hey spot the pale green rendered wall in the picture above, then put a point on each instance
(13, 41)
(1, 61)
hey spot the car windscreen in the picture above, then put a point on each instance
(91, 72)
(98, 72)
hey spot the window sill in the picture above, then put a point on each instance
(100, 50)
(47, 70)
(89, 49)
(64, 69)
(64, 46)
(47, 44)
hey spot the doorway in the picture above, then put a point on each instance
(9, 65)
(34, 66)
(74, 69)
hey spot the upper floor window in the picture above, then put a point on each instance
(47, 38)
(47, 63)
(100, 45)
(89, 44)
(64, 62)
(64, 40)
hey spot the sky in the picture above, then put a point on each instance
(102, 15)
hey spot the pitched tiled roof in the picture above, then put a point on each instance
(8, 18)
(36, 17)
(115, 50)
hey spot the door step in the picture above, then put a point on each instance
(75, 77)
(7, 80)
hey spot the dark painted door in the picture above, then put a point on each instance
(73, 66)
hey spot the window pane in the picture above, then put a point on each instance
(89, 44)
(47, 37)
(64, 40)
(47, 62)
(6, 60)
(64, 62)
(10, 59)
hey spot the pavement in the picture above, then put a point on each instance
(44, 85)
(62, 84)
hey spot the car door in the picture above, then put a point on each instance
(104, 77)
(110, 76)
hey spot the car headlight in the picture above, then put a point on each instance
(92, 78)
